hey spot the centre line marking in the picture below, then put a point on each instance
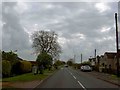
(74, 77)
(81, 85)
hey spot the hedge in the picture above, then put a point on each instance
(25, 66)
(16, 69)
(6, 68)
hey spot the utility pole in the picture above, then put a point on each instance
(117, 45)
(74, 58)
(95, 53)
(81, 58)
(95, 56)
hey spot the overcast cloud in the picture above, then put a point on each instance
(82, 27)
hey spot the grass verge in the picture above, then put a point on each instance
(115, 77)
(28, 77)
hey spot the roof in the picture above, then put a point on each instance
(33, 62)
(19, 58)
(110, 55)
(119, 52)
(102, 56)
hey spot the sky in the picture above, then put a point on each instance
(82, 27)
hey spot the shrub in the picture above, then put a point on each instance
(44, 59)
(76, 66)
(16, 69)
(70, 63)
(6, 68)
(25, 66)
(86, 63)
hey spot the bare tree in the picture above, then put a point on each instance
(46, 41)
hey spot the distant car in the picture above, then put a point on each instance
(86, 68)
(66, 65)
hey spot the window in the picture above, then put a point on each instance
(103, 64)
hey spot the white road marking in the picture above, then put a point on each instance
(78, 81)
(81, 85)
(74, 77)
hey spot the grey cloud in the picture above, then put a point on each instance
(85, 22)
(88, 22)
(119, 21)
(0, 26)
(69, 19)
(14, 37)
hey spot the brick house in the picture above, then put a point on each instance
(108, 62)
(109, 58)
(92, 61)
(34, 63)
(115, 61)
(102, 61)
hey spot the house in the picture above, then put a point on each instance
(18, 58)
(109, 58)
(108, 62)
(115, 60)
(34, 63)
(102, 61)
(92, 61)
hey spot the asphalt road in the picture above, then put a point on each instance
(70, 78)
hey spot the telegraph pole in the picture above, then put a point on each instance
(95, 56)
(74, 58)
(81, 58)
(117, 44)
(95, 53)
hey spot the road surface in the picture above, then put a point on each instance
(70, 78)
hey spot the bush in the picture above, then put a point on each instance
(16, 69)
(70, 63)
(86, 63)
(6, 68)
(44, 59)
(77, 66)
(25, 66)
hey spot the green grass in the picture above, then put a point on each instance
(115, 77)
(8, 88)
(28, 77)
